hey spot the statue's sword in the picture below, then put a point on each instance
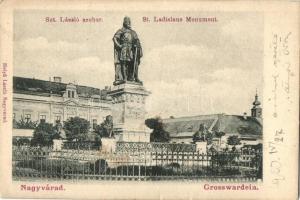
(134, 63)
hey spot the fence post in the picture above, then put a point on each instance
(193, 160)
(145, 154)
(155, 163)
(39, 154)
(139, 178)
(139, 163)
(83, 171)
(207, 159)
(238, 158)
(182, 159)
(161, 162)
(61, 170)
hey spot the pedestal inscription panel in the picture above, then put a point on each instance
(128, 111)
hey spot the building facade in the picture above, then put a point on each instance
(248, 128)
(54, 101)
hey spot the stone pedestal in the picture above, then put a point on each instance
(57, 145)
(108, 145)
(201, 147)
(128, 112)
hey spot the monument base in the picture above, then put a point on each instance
(128, 112)
(57, 144)
(201, 147)
(134, 136)
(108, 145)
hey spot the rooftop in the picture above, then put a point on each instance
(233, 124)
(39, 87)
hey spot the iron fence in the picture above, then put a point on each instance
(85, 145)
(139, 165)
(154, 147)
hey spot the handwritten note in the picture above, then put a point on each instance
(282, 72)
(275, 146)
(281, 76)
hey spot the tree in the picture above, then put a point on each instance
(21, 141)
(43, 135)
(233, 140)
(209, 138)
(24, 124)
(76, 128)
(158, 134)
(219, 135)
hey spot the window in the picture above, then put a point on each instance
(42, 118)
(28, 117)
(94, 123)
(71, 94)
(57, 118)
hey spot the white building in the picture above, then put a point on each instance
(54, 101)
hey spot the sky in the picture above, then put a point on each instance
(189, 68)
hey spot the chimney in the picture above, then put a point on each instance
(57, 79)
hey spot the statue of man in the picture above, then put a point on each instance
(127, 53)
(108, 124)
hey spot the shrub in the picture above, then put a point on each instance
(76, 128)
(43, 135)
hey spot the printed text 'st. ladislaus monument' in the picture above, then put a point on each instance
(128, 94)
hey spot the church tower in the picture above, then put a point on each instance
(256, 110)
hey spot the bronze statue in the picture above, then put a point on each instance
(127, 54)
(106, 127)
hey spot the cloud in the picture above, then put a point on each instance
(233, 27)
(42, 44)
(90, 71)
(173, 62)
(243, 31)
(70, 60)
(186, 97)
(226, 75)
(187, 80)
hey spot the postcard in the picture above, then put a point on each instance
(149, 100)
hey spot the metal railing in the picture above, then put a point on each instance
(154, 147)
(139, 165)
(83, 145)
